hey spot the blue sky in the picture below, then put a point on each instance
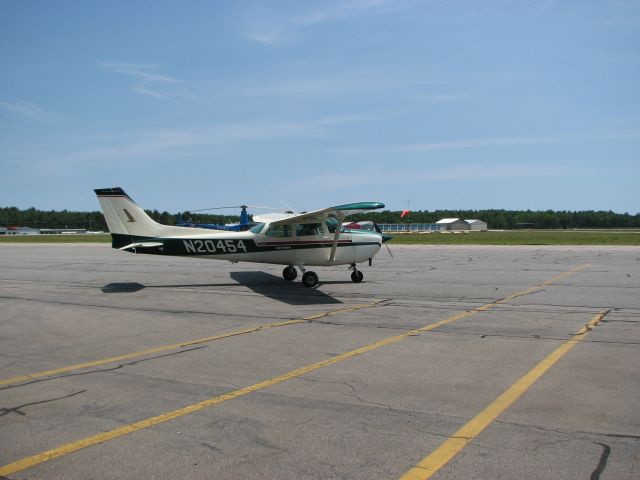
(446, 104)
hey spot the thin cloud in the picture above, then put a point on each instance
(459, 172)
(148, 92)
(139, 71)
(159, 143)
(339, 11)
(273, 38)
(474, 143)
(440, 97)
(148, 82)
(487, 142)
(27, 109)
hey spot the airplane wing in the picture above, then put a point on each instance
(339, 213)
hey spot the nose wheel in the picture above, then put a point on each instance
(356, 275)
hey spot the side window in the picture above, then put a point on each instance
(332, 223)
(279, 231)
(308, 229)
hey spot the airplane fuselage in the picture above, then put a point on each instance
(249, 247)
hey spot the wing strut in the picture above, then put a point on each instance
(334, 245)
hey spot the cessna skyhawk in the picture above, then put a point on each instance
(295, 240)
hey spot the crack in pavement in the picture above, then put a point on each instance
(18, 409)
(137, 309)
(571, 432)
(102, 370)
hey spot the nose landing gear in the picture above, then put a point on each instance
(356, 275)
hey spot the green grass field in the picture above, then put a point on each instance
(523, 237)
(509, 237)
(94, 238)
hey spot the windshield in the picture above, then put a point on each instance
(257, 228)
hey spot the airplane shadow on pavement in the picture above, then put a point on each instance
(262, 283)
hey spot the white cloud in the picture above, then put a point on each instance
(27, 109)
(458, 172)
(141, 89)
(486, 142)
(139, 71)
(473, 143)
(275, 36)
(155, 144)
(164, 87)
(440, 97)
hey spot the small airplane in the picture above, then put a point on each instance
(295, 240)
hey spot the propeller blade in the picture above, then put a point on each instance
(385, 238)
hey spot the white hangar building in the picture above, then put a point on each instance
(477, 225)
(453, 224)
(456, 224)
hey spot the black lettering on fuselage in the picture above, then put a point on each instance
(213, 246)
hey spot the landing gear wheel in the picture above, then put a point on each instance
(290, 273)
(356, 276)
(310, 279)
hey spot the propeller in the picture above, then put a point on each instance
(385, 238)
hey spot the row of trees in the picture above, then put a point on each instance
(498, 219)
(12, 216)
(509, 219)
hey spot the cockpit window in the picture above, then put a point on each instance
(257, 228)
(279, 231)
(307, 229)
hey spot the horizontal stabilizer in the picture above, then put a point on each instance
(142, 245)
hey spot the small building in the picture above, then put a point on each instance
(410, 227)
(477, 225)
(23, 231)
(453, 224)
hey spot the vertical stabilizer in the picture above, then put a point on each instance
(124, 216)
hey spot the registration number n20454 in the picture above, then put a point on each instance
(214, 246)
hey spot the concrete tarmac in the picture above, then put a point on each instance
(120, 366)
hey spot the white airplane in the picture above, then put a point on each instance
(295, 240)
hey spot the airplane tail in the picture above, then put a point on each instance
(124, 217)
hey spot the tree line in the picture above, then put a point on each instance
(12, 216)
(512, 219)
(496, 219)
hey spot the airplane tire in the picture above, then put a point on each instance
(357, 276)
(290, 273)
(310, 279)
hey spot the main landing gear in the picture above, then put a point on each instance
(310, 279)
(290, 273)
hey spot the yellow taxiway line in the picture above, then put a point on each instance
(174, 346)
(460, 439)
(71, 447)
